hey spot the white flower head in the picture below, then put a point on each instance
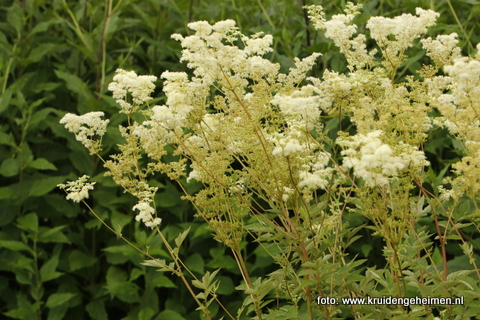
(375, 161)
(77, 190)
(85, 127)
(146, 214)
(140, 88)
(444, 50)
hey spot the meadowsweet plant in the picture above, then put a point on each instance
(273, 174)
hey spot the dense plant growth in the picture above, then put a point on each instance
(346, 174)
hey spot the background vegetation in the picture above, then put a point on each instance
(57, 56)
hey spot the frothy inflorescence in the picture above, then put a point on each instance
(286, 158)
(375, 162)
(246, 131)
(77, 190)
(86, 127)
(127, 82)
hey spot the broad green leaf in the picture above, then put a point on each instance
(195, 263)
(43, 26)
(96, 310)
(43, 186)
(81, 160)
(7, 193)
(15, 17)
(53, 235)
(38, 53)
(10, 167)
(123, 249)
(58, 312)
(135, 274)
(73, 82)
(42, 164)
(118, 285)
(226, 287)
(163, 282)
(146, 314)
(57, 299)
(14, 245)
(170, 315)
(78, 260)
(5, 99)
(43, 113)
(169, 197)
(7, 139)
(28, 222)
(48, 270)
(119, 220)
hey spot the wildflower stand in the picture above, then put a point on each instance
(258, 142)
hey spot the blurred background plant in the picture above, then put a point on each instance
(58, 56)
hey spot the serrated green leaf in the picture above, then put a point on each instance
(285, 313)
(181, 237)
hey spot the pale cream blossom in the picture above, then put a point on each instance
(146, 214)
(86, 127)
(376, 162)
(128, 82)
(77, 190)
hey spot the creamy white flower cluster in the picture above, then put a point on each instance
(341, 30)
(444, 50)
(316, 176)
(86, 127)
(77, 190)
(375, 162)
(140, 88)
(395, 35)
(146, 214)
(457, 97)
(248, 88)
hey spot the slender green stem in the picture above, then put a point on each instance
(77, 29)
(467, 38)
(246, 277)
